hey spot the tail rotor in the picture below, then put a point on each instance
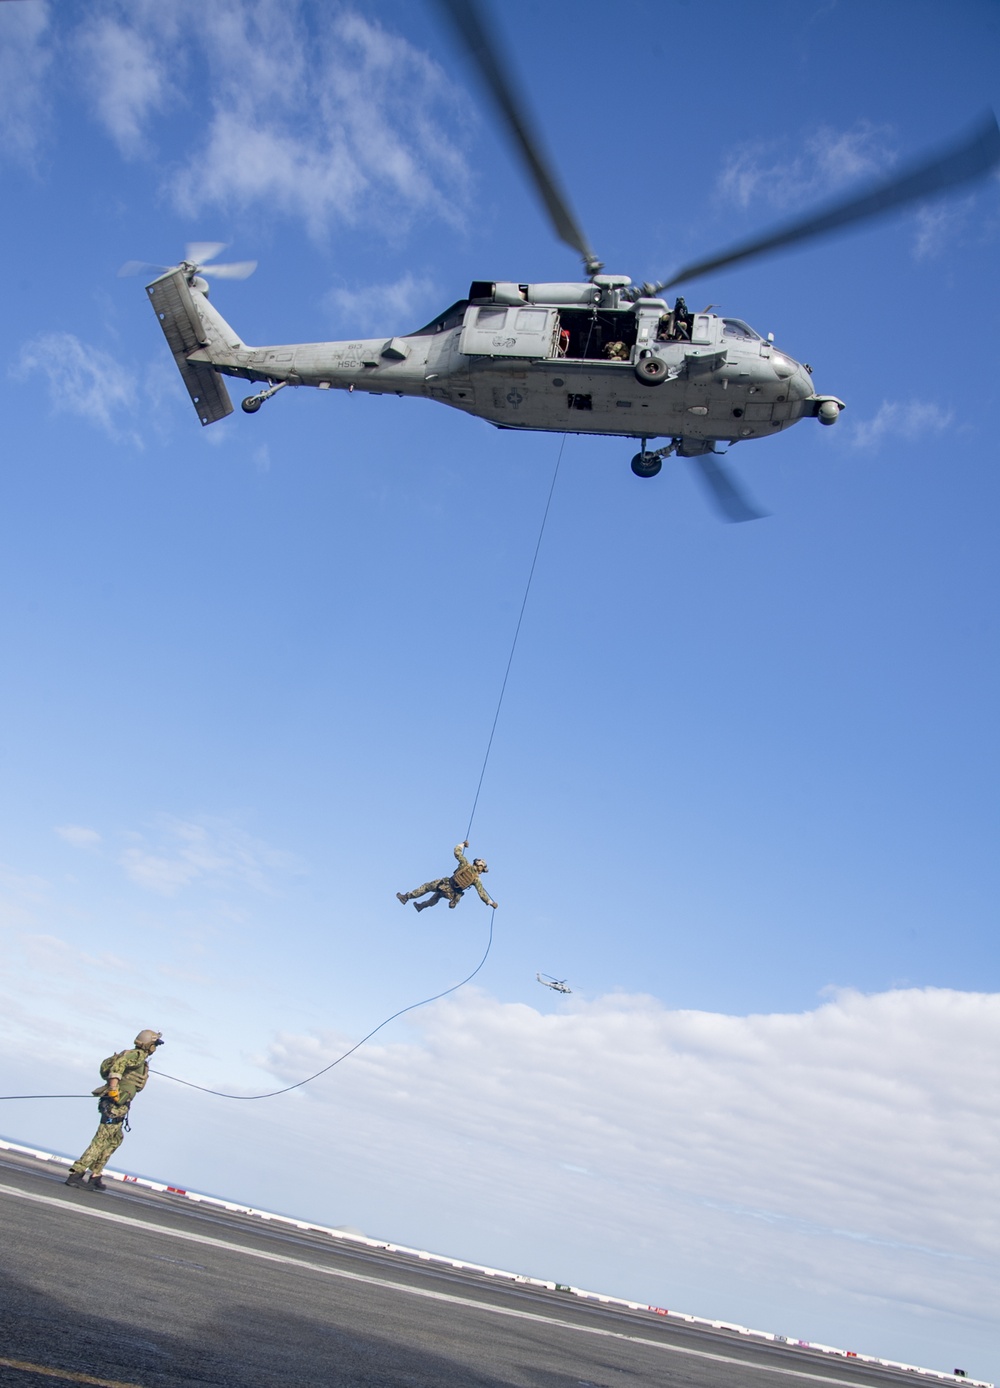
(197, 255)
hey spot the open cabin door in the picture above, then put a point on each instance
(497, 331)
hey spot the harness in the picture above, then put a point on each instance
(108, 1119)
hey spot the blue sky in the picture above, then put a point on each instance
(744, 784)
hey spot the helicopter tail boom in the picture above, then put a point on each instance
(190, 330)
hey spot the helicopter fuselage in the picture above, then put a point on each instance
(570, 358)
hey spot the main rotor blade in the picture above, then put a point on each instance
(470, 24)
(975, 156)
(729, 499)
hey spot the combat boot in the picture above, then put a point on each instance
(420, 905)
(97, 1184)
(76, 1178)
(401, 896)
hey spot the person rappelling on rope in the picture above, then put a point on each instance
(454, 887)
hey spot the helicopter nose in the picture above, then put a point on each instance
(782, 366)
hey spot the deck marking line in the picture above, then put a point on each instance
(64, 1373)
(453, 1300)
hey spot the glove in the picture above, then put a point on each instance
(494, 904)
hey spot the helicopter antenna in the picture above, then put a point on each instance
(974, 156)
(470, 24)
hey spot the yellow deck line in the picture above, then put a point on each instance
(67, 1374)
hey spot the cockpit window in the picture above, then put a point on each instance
(735, 327)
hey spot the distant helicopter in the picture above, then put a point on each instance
(599, 356)
(558, 985)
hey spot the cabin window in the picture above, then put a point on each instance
(735, 327)
(510, 332)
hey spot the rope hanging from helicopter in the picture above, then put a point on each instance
(517, 632)
(424, 1002)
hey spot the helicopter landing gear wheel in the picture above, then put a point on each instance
(651, 371)
(253, 402)
(646, 464)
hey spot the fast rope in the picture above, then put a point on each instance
(424, 1002)
(517, 632)
(273, 1093)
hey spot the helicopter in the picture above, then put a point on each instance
(558, 985)
(597, 356)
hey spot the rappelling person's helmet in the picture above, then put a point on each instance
(478, 863)
(149, 1040)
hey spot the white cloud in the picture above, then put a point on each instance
(322, 128)
(77, 835)
(385, 307)
(940, 225)
(773, 174)
(125, 79)
(851, 1147)
(353, 121)
(83, 380)
(914, 421)
(178, 853)
(25, 56)
(247, 161)
(86, 381)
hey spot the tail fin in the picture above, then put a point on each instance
(186, 333)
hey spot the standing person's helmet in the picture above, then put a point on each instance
(478, 863)
(149, 1039)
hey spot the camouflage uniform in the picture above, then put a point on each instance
(131, 1069)
(454, 887)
